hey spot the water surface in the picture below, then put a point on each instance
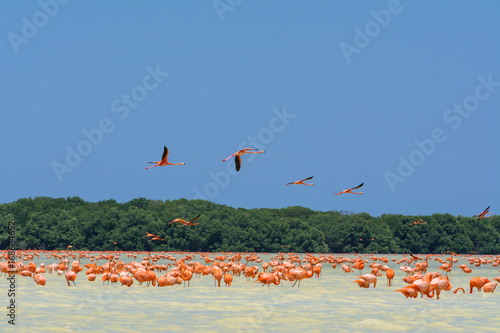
(326, 304)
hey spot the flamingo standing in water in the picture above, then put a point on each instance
(390, 275)
(299, 274)
(364, 281)
(237, 156)
(268, 278)
(40, 280)
(184, 222)
(484, 213)
(164, 161)
(489, 287)
(301, 182)
(349, 190)
(477, 282)
(228, 279)
(70, 276)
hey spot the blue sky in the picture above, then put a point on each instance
(403, 96)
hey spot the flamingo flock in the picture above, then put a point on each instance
(237, 160)
(227, 267)
(181, 268)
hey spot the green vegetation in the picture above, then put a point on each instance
(50, 224)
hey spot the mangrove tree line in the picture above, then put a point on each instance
(54, 223)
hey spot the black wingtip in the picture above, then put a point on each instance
(165, 152)
(237, 161)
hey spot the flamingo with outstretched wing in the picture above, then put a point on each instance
(237, 156)
(184, 222)
(349, 190)
(484, 213)
(301, 182)
(164, 161)
(418, 222)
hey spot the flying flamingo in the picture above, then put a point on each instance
(484, 213)
(164, 161)
(349, 190)
(183, 222)
(418, 222)
(301, 182)
(237, 156)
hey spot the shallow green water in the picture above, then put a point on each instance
(331, 303)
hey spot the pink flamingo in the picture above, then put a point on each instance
(184, 222)
(484, 213)
(301, 182)
(349, 190)
(237, 156)
(417, 222)
(164, 161)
